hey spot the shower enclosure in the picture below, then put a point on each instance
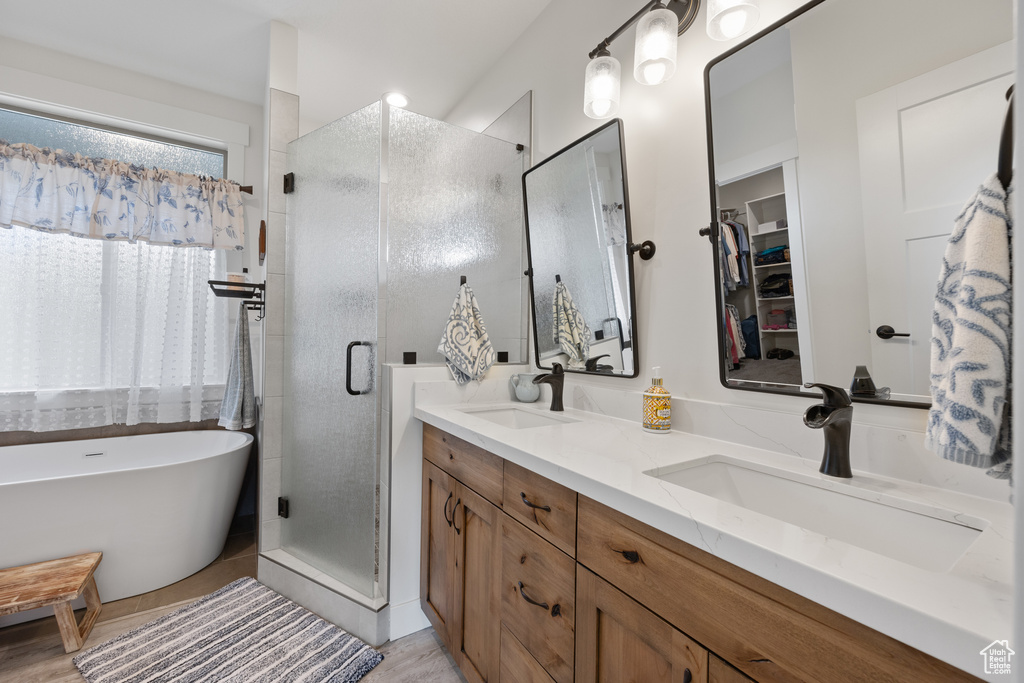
(389, 210)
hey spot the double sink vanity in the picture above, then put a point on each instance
(574, 546)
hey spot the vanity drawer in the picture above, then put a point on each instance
(478, 469)
(538, 604)
(542, 506)
(766, 631)
(517, 664)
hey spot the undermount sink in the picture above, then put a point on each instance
(516, 418)
(924, 536)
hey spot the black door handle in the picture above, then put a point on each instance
(457, 504)
(886, 332)
(529, 599)
(545, 508)
(348, 368)
(446, 511)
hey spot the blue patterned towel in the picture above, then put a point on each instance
(969, 421)
(571, 332)
(464, 344)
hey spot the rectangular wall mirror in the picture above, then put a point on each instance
(843, 142)
(581, 274)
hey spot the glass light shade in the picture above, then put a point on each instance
(601, 88)
(656, 47)
(728, 19)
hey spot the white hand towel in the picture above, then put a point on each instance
(464, 344)
(571, 332)
(969, 420)
(238, 409)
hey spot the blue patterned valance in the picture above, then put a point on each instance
(56, 191)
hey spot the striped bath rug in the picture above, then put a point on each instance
(243, 632)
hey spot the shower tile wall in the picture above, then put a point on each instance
(283, 127)
(515, 126)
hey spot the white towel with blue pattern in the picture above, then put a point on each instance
(571, 331)
(464, 344)
(969, 421)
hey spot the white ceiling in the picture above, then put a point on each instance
(350, 51)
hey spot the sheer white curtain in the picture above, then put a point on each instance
(97, 332)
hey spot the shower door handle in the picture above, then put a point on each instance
(348, 368)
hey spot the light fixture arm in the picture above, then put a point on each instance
(606, 43)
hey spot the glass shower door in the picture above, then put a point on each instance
(330, 450)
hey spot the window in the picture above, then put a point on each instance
(95, 332)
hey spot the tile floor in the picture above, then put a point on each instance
(32, 652)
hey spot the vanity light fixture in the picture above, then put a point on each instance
(656, 46)
(396, 99)
(728, 19)
(660, 24)
(601, 86)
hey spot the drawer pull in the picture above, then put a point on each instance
(687, 676)
(446, 511)
(631, 556)
(457, 504)
(530, 600)
(545, 508)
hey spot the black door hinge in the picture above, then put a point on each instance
(289, 183)
(282, 507)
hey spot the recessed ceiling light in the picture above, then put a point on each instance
(396, 99)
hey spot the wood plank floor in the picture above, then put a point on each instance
(33, 652)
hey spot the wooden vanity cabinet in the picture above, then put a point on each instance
(542, 506)
(720, 672)
(764, 630)
(582, 592)
(617, 639)
(437, 551)
(460, 570)
(538, 602)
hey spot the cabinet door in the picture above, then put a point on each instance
(617, 639)
(517, 664)
(475, 624)
(437, 551)
(720, 672)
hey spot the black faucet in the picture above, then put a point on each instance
(556, 378)
(834, 415)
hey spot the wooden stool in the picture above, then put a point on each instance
(57, 583)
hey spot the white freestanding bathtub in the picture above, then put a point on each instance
(158, 506)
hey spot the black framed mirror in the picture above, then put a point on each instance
(842, 144)
(581, 274)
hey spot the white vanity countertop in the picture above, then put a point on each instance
(951, 615)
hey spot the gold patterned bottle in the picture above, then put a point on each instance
(657, 406)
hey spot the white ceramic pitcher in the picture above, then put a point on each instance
(526, 390)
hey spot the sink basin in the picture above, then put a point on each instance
(517, 418)
(924, 536)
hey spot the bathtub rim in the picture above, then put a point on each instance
(247, 442)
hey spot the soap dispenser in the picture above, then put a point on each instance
(657, 406)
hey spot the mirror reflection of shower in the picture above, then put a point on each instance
(578, 225)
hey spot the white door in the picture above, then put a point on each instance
(925, 146)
